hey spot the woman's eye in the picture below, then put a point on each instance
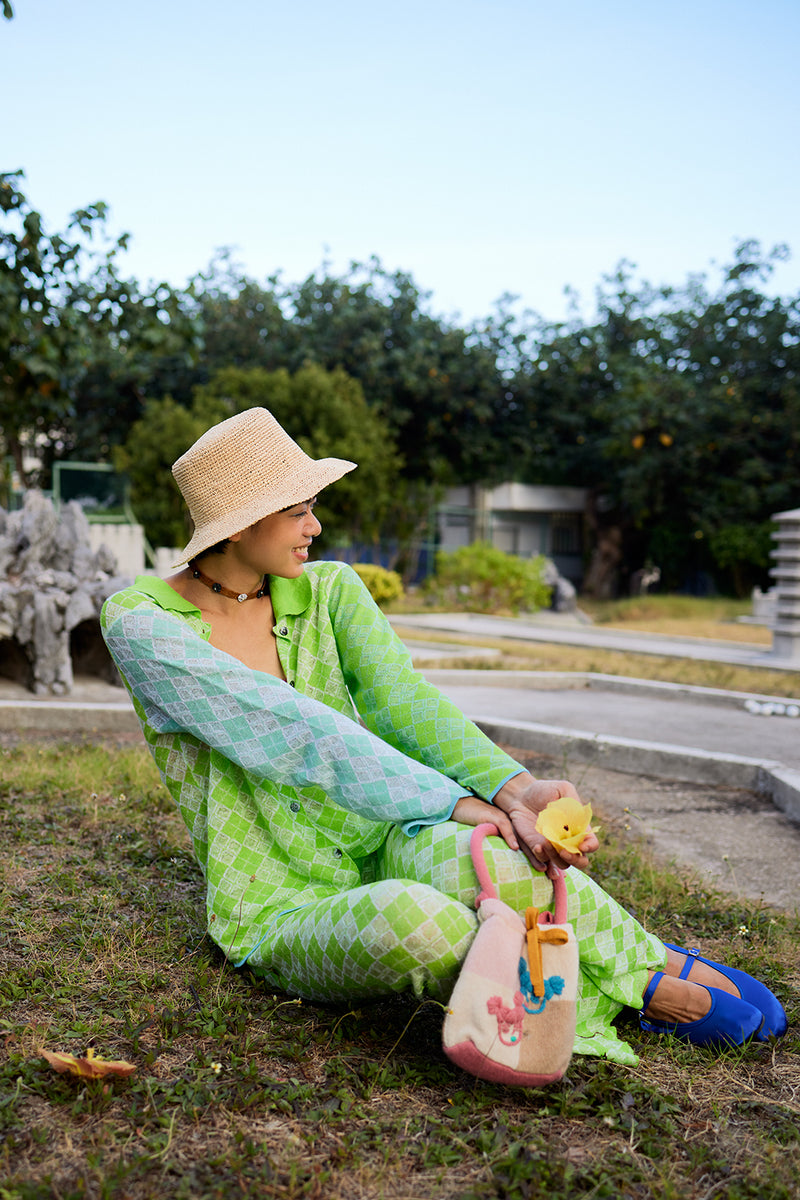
(306, 508)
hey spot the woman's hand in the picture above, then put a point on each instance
(469, 810)
(522, 799)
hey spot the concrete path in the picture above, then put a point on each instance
(629, 724)
(570, 631)
(687, 732)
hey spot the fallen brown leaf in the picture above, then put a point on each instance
(89, 1066)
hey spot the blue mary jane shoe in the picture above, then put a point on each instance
(749, 989)
(729, 1022)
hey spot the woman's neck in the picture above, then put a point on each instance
(219, 587)
(216, 587)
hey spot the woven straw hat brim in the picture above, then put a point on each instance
(243, 469)
(328, 470)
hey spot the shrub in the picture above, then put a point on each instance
(384, 586)
(481, 578)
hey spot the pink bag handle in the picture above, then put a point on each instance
(488, 891)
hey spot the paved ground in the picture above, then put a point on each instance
(711, 783)
(570, 631)
(732, 837)
(714, 723)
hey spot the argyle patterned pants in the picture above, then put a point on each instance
(411, 926)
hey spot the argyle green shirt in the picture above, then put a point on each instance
(287, 788)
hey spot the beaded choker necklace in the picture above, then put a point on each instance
(263, 590)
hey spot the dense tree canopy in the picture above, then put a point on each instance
(78, 345)
(435, 384)
(678, 408)
(324, 411)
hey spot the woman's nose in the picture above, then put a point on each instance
(312, 526)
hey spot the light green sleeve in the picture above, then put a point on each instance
(399, 705)
(183, 684)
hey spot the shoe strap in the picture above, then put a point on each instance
(650, 992)
(691, 958)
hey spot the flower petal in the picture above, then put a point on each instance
(565, 823)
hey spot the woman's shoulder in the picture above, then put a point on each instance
(329, 576)
(327, 569)
(147, 592)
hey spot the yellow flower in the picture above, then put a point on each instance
(565, 823)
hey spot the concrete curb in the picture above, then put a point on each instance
(781, 784)
(574, 633)
(67, 716)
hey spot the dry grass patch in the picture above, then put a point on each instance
(548, 656)
(242, 1093)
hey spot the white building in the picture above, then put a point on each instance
(519, 518)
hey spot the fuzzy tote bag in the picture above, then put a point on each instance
(511, 1017)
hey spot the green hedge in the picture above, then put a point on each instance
(384, 586)
(481, 578)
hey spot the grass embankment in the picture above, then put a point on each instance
(241, 1093)
(681, 616)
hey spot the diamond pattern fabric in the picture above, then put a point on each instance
(318, 808)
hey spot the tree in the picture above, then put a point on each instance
(42, 300)
(742, 351)
(327, 415)
(77, 342)
(436, 385)
(240, 323)
(324, 411)
(137, 344)
(680, 410)
(159, 437)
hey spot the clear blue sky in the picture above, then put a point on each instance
(485, 146)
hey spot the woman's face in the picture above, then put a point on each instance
(278, 544)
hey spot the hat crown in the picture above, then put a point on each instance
(243, 469)
(240, 455)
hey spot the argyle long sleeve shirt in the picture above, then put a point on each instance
(288, 788)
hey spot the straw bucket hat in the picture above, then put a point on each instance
(242, 470)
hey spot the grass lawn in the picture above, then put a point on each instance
(238, 1092)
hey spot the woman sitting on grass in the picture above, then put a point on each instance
(329, 789)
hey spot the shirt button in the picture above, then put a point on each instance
(294, 806)
(283, 631)
(291, 683)
(337, 853)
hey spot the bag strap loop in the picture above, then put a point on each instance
(487, 888)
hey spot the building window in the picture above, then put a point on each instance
(565, 533)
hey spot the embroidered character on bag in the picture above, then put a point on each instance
(509, 1020)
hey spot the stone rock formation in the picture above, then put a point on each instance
(52, 587)
(564, 597)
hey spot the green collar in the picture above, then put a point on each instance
(165, 596)
(289, 596)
